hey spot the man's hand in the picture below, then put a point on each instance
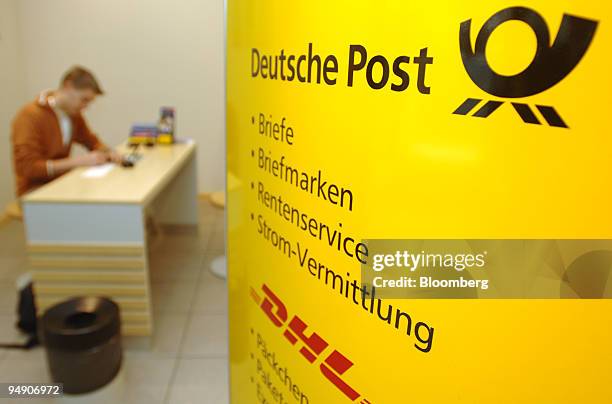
(92, 158)
(114, 156)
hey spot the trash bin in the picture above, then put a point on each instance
(83, 343)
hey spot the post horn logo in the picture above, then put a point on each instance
(550, 65)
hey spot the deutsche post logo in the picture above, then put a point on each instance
(550, 65)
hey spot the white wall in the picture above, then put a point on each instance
(145, 54)
(12, 92)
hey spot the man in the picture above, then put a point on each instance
(44, 130)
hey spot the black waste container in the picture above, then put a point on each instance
(83, 343)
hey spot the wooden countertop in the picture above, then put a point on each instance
(135, 185)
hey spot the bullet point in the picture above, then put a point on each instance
(252, 119)
(252, 153)
(252, 216)
(252, 185)
(252, 356)
(252, 331)
(252, 381)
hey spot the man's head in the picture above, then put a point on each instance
(77, 89)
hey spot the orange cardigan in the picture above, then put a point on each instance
(37, 137)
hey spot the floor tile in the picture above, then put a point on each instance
(11, 266)
(185, 361)
(35, 354)
(211, 297)
(146, 378)
(207, 223)
(28, 401)
(208, 212)
(8, 298)
(175, 267)
(166, 339)
(206, 336)
(9, 333)
(12, 238)
(24, 370)
(216, 244)
(183, 243)
(201, 381)
(173, 297)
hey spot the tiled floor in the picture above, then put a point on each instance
(186, 359)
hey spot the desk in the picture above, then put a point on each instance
(87, 236)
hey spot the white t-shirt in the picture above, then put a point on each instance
(65, 123)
